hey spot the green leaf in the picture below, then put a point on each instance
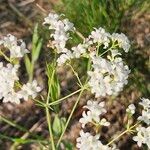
(35, 37)
(53, 82)
(28, 65)
(36, 44)
(57, 125)
(36, 52)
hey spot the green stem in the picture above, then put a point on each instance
(105, 51)
(61, 99)
(124, 132)
(73, 109)
(7, 58)
(48, 117)
(76, 74)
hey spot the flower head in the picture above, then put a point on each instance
(16, 47)
(131, 109)
(143, 136)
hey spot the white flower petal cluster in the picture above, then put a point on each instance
(143, 136)
(86, 140)
(146, 111)
(95, 109)
(64, 57)
(90, 142)
(61, 28)
(122, 41)
(8, 78)
(78, 50)
(16, 47)
(99, 36)
(131, 109)
(107, 77)
(145, 103)
(29, 89)
(9, 91)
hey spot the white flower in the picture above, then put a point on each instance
(86, 141)
(64, 57)
(78, 50)
(51, 19)
(100, 36)
(145, 103)
(8, 76)
(131, 109)
(12, 97)
(145, 116)
(123, 41)
(61, 28)
(143, 136)
(107, 77)
(29, 89)
(16, 47)
(95, 109)
(146, 111)
(104, 122)
(86, 118)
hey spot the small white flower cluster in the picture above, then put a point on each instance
(143, 133)
(61, 28)
(95, 109)
(143, 136)
(86, 140)
(122, 40)
(9, 91)
(16, 47)
(107, 76)
(99, 36)
(131, 109)
(146, 111)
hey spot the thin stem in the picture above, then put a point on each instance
(48, 117)
(113, 46)
(105, 51)
(124, 132)
(76, 74)
(62, 99)
(69, 118)
(7, 58)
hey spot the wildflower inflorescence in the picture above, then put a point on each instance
(92, 115)
(143, 131)
(10, 88)
(107, 75)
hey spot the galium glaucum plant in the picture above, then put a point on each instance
(107, 74)
(11, 90)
